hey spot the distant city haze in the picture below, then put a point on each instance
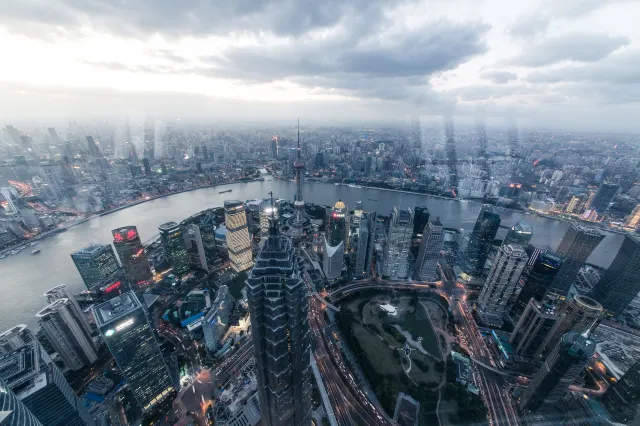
(26, 278)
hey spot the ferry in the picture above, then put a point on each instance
(2, 256)
(33, 243)
(36, 251)
(228, 190)
(351, 185)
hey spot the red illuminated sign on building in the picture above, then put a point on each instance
(131, 233)
(117, 237)
(112, 287)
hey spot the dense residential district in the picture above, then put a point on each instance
(417, 275)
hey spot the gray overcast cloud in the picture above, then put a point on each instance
(565, 64)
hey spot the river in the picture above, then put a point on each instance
(25, 278)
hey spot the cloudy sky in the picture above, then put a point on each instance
(569, 63)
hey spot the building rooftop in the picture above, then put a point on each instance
(116, 308)
(53, 307)
(90, 250)
(168, 226)
(407, 410)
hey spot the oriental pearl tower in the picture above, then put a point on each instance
(298, 225)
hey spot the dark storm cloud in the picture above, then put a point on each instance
(188, 17)
(499, 77)
(581, 47)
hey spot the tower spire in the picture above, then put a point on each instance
(298, 139)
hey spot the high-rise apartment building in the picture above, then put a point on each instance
(238, 239)
(603, 198)
(500, 283)
(420, 219)
(173, 243)
(576, 246)
(622, 398)
(34, 379)
(216, 321)
(15, 338)
(96, 264)
(558, 371)
(535, 324)
(280, 333)
(632, 223)
(130, 250)
(621, 282)
(62, 292)
(520, 234)
(51, 176)
(366, 241)
(66, 334)
(426, 265)
(480, 240)
(578, 314)
(396, 250)
(12, 411)
(539, 279)
(125, 328)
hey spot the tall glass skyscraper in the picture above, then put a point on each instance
(420, 219)
(238, 238)
(128, 245)
(621, 283)
(396, 250)
(173, 243)
(622, 398)
(429, 251)
(366, 241)
(62, 292)
(125, 328)
(576, 246)
(12, 411)
(540, 277)
(32, 377)
(96, 264)
(336, 231)
(280, 332)
(480, 240)
(559, 370)
(603, 198)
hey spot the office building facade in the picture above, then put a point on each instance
(484, 232)
(622, 398)
(216, 321)
(173, 243)
(133, 258)
(33, 378)
(576, 246)
(366, 241)
(15, 338)
(336, 230)
(238, 239)
(125, 328)
(520, 234)
(280, 333)
(500, 283)
(603, 198)
(396, 249)
(539, 279)
(420, 219)
(66, 334)
(621, 282)
(195, 247)
(12, 411)
(62, 292)
(558, 371)
(578, 314)
(333, 260)
(96, 264)
(535, 324)
(632, 223)
(426, 266)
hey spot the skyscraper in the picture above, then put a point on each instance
(93, 147)
(358, 211)
(173, 243)
(396, 250)
(298, 204)
(32, 377)
(576, 247)
(217, 319)
(622, 398)
(420, 219)
(15, 338)
(267, 214)
(578, 314)
(535, 324)
(62, 292)
(96, 264)
(540, 277)
(274, 147)
(480, 240)
(366, 241)
(280, 333)
(238, 240)
(12, 411)
(195, 247)
(603, 198)
(565, 362)
(632, 222)
(621, 282)
(368, 163)
(66, 334)
(337, 224)
(501, 282)
(520, 234)
(125, 328)
(429, 252)
(126, 241)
